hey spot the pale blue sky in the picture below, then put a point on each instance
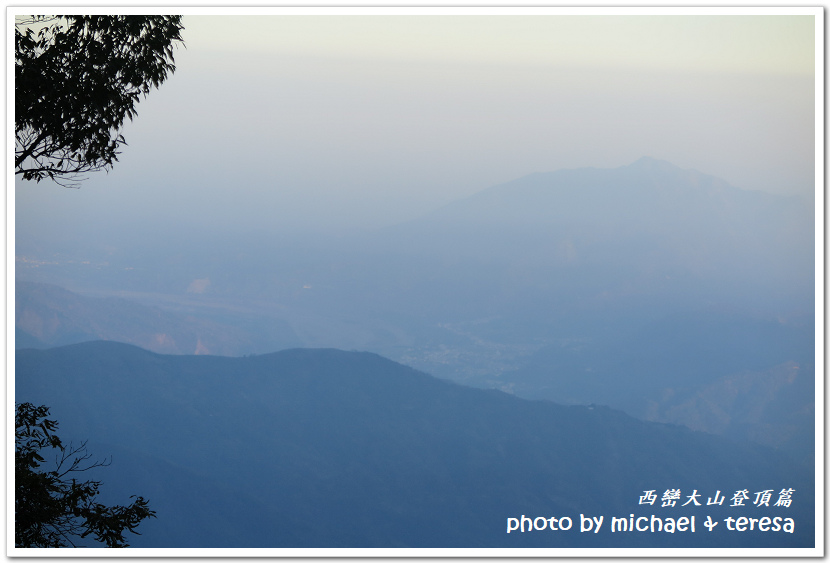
(308, 122)
(758, 43)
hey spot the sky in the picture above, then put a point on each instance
(309, 123)
(323, 125)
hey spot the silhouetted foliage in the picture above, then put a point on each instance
(52, 509)
(77, 78)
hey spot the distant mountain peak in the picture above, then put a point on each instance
(691, 178)
(655, 164)
(650, 161)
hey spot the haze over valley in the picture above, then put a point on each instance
(390, 281)
(637, 287)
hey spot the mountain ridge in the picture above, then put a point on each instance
(351, 449)
(639, 178)
(578, 297)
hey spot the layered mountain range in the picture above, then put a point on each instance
(660, 291)
(325, 448)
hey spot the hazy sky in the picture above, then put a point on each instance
(308, 121)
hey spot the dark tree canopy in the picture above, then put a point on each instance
(52, 509)
(77, 79)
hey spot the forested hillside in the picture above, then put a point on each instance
(324, 448)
